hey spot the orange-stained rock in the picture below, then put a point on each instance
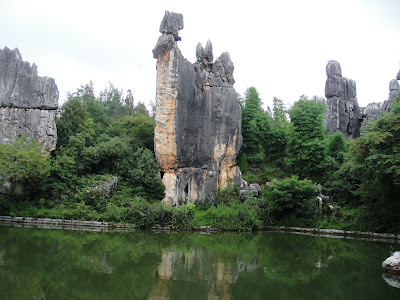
(198, 119)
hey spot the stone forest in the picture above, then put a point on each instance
(115, 182)
(203, 148)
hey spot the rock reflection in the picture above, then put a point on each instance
(392, 280)
(198, 267)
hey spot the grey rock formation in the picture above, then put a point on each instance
(374, 110)
(171, 24)
(245, 190)
(256, 189)
(28, 102)
(208, 52)
(394, 91)
(342, 110)
(197, 121)
(104, 189)
(370, 113)
(392, 264)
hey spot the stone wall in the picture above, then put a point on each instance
(197, 121)
(28, 102)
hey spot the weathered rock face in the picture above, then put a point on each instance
(28, 102)
(342, 110)
(370, 113)
(394, 91)
(198, 119)
(374, 110)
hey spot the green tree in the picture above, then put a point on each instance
(280, 113)
(337, 146)
(115, 105)
(255, 125)
(137, 129)
(306, 150)
(24, 162)
(140, 109)
(23, 159)
(73, 118)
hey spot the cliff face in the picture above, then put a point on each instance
(198, 119)
(342, 109)
(28, 102)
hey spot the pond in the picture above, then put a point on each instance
(68, 264)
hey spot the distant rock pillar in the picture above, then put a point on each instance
(342, 107)
(197, 121)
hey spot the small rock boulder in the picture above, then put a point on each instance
(105, 189)
(392, 264)
(243, 195)
(256, 189)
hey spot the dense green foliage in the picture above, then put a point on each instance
(255, 124)
(108, 139)
(290, 197)
(306, 150)
(98, 139)
(360, 176)
(372, 166)
(23, 160)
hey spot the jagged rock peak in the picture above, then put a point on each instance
(21, 86)
(398, 76)
(8, 54)
(224, 67)
(171, 24)
(333, 69)
(208, 52)
(199, 52)
(169, 27)
(226, 61)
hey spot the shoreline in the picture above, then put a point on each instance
(47, 223)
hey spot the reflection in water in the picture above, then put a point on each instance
(57, 264)
(392, 280)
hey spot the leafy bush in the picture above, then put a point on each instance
(240, 217)
(227, 196)
(141, 213)
(183, 217)
(290, 196)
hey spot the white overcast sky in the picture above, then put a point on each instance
(279, 47)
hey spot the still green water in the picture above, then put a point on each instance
(65, 264)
